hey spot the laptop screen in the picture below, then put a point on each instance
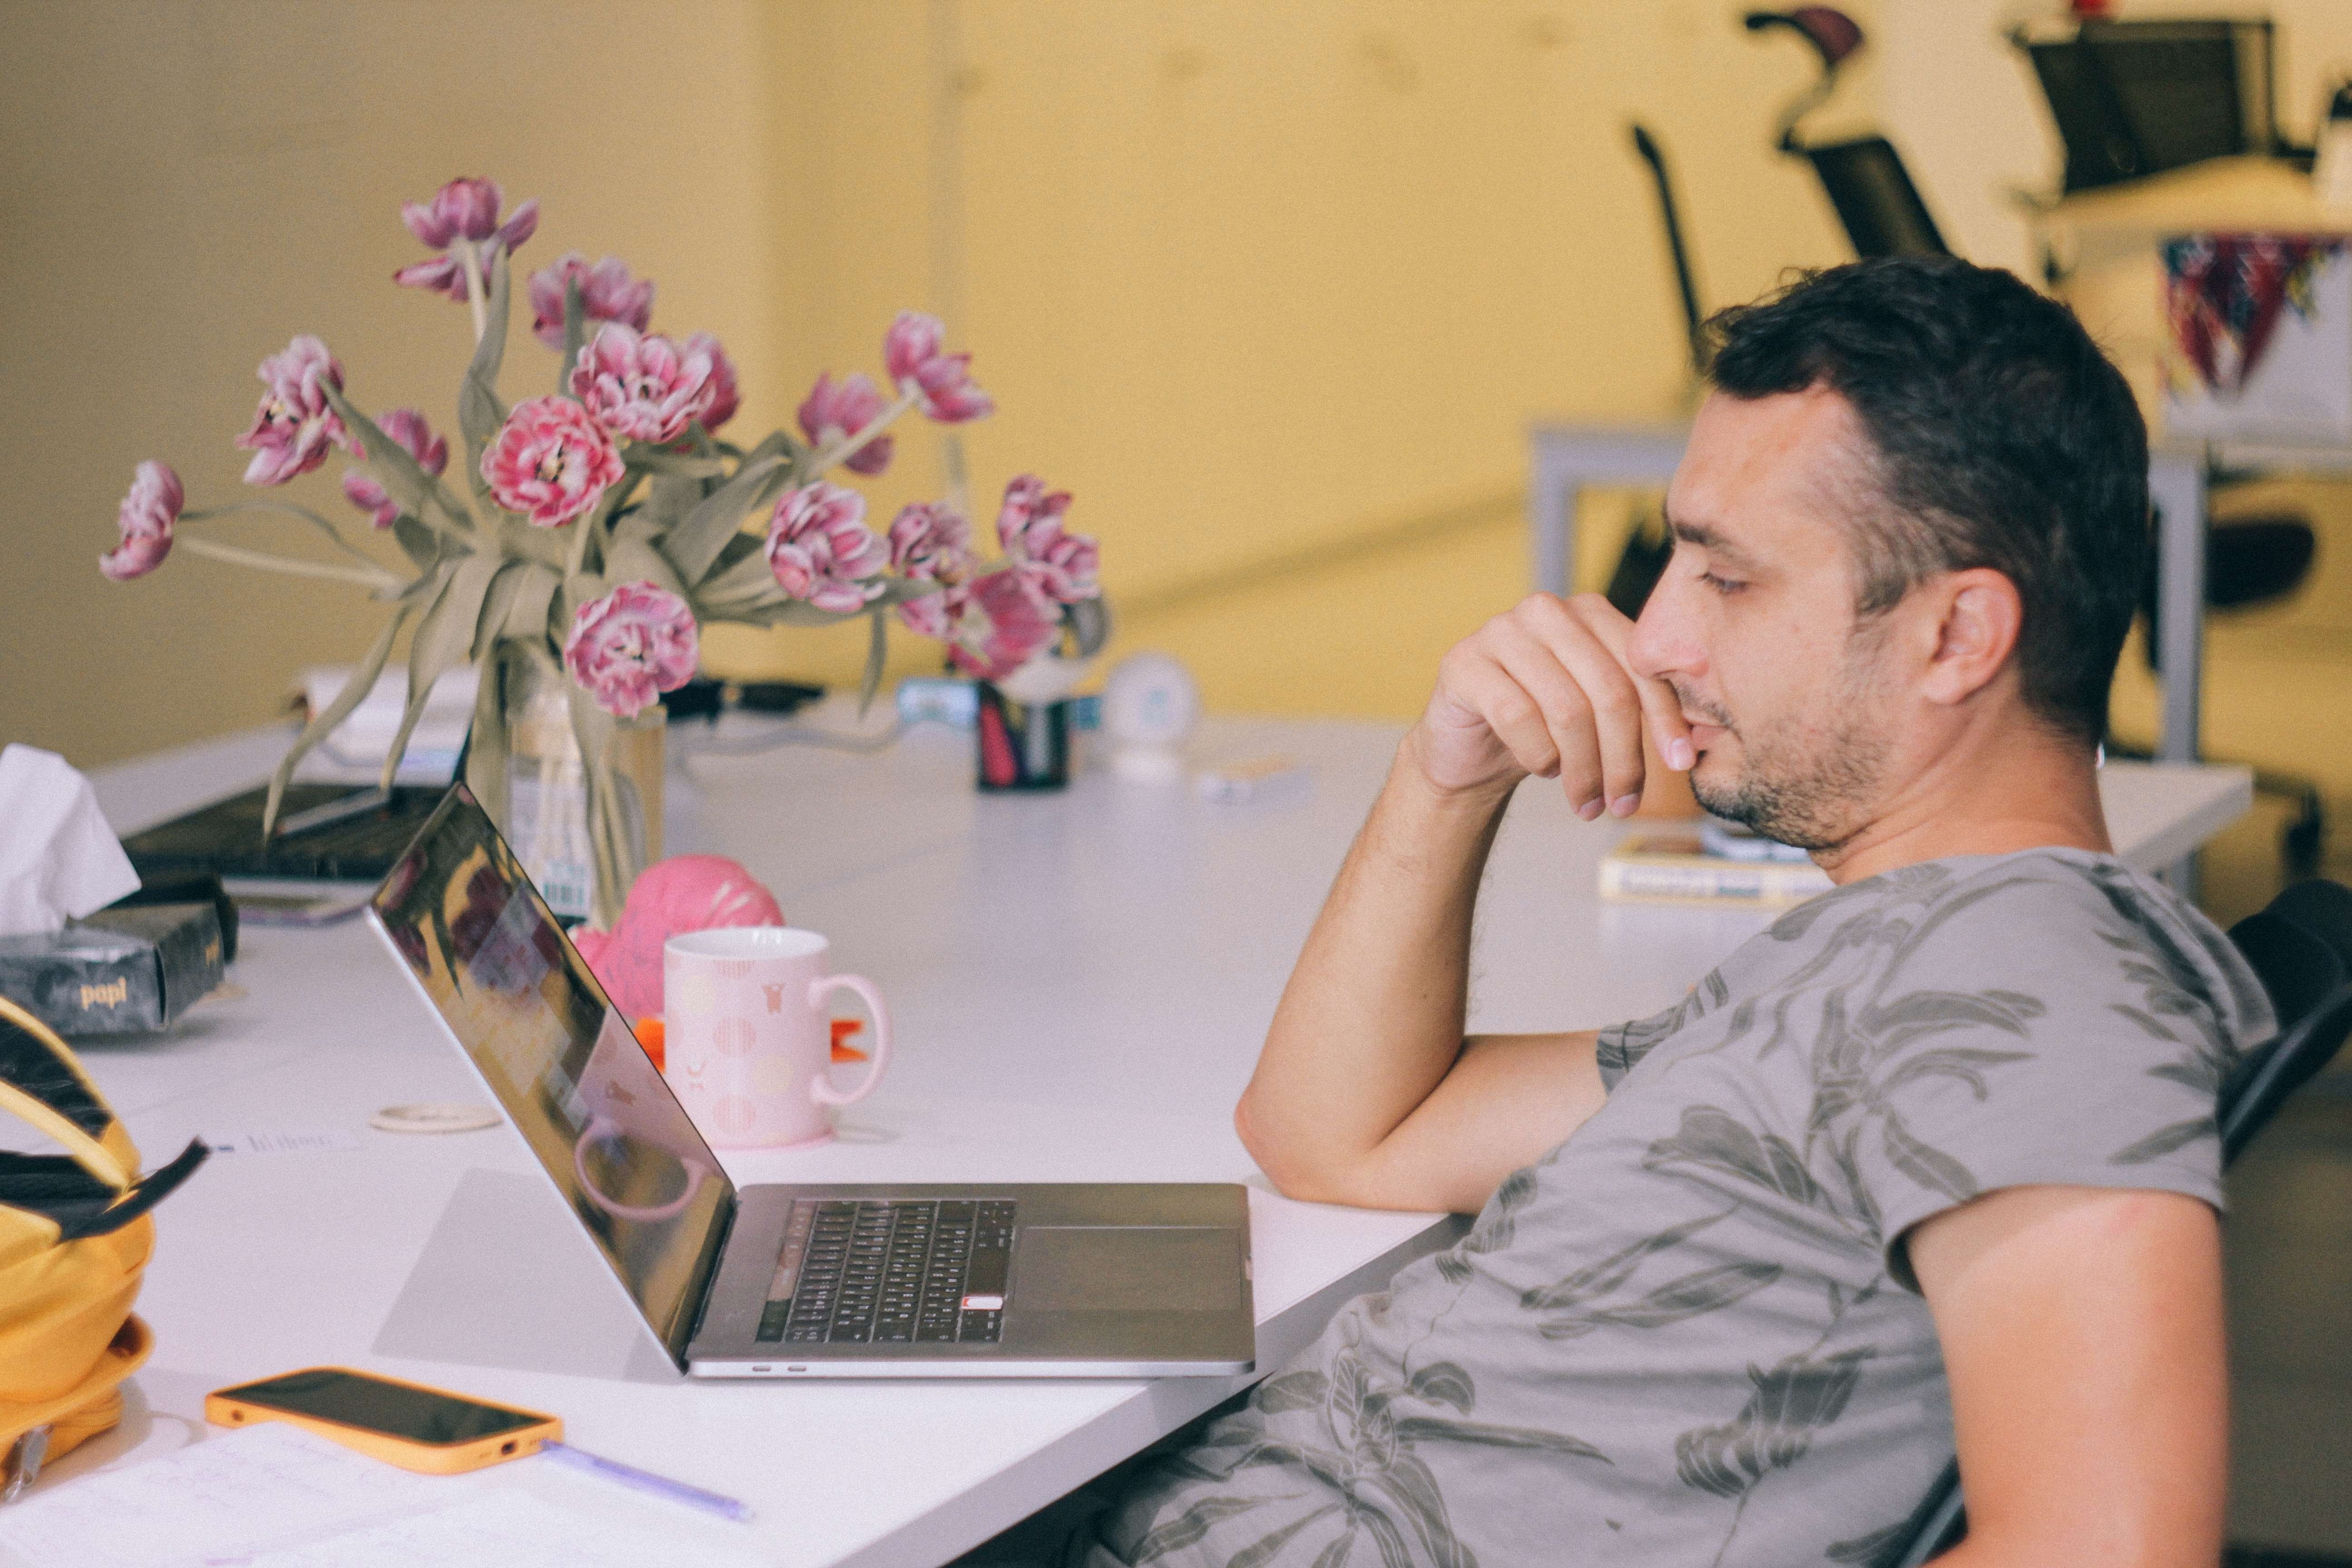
(488, 954)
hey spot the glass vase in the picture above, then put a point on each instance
(551, 813)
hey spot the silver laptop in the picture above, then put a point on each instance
(971, 1279)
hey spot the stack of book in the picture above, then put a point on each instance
(1716, 865)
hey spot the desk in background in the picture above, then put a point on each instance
(1079, 984)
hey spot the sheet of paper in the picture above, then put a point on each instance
(508, 1530)
(216, 1501)
(278, 1497)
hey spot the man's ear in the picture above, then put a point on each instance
(1979, 616)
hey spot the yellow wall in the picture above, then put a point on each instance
(1251, 279)
(1254, 280)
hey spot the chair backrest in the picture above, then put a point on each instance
(2301, 947)
(1881, 210)
(2133, 99)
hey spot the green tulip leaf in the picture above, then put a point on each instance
(746, 580)
(487, 744)
(669, 499)
(530, 619)
(632, 560)
(877, 645)
(506, 586)
(479, 412)
(694, 545)
(416, 492)
(442, 639)
(422, 545)
(521, 539)
(323, 723)
(781, 611)
(575, 334)
(1090, 621)
(651, 459)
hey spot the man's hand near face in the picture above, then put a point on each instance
(1547, 690)
(1366, 1092)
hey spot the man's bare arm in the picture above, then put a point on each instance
(2083, 1335)
(1366, 1092)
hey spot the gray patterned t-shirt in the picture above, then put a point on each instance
(1688, 1334)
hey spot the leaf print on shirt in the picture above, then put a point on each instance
(1588, 1299)
(2169, 1012)
(1797, 1398)
(1385, 1493)
(1857, 1069)
(1496, 1227)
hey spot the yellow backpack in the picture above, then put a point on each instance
(74, 1236)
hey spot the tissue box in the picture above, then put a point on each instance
(121, 970)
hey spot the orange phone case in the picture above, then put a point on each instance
(408, 1453)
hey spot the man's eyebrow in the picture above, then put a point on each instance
(1708, 540)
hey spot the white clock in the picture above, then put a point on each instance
(1149, 707)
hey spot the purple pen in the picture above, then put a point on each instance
(646, 1481)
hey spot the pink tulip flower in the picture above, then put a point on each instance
(631, 645)
(550, 461)
(607, 293)
(408, 427)
(1002, 623)
(821, 550)
(914, 351)
(724, 398)
(294, 427)
(932, 539)
(1063, 565)
(836, 410)
(641, 388)
(146, 516)
(463, 209)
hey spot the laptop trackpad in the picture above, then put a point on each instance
(1127, 1269)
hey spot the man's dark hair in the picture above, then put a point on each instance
(2004, 439)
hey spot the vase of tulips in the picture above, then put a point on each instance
(597, 527)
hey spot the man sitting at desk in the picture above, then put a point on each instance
(1933, 1157)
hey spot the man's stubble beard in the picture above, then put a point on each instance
(1815, 795)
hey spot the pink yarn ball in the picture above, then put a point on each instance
(685, 892)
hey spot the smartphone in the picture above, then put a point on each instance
(410, 1425)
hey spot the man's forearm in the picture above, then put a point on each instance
(1372, 1018)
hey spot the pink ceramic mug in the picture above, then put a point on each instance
(748, 1039)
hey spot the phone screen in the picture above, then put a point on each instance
(418, 1415)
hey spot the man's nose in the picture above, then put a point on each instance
(1662, 643)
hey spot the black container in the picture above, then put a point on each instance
(120, 970)
(1023, 745)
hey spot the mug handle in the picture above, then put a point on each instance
(821, 1089)
(696, 1172)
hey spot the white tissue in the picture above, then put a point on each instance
(58, 859)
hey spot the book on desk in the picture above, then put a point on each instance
(1678, 868)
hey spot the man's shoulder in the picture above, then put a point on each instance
(2074, 925)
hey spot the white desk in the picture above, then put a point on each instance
(1080, 984)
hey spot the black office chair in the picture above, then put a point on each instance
(1876, 201)
(2301, 947)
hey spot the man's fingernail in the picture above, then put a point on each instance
(1625, 806)
(1590, 809)
(1680, 757)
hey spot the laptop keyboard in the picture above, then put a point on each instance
(928, 1271)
